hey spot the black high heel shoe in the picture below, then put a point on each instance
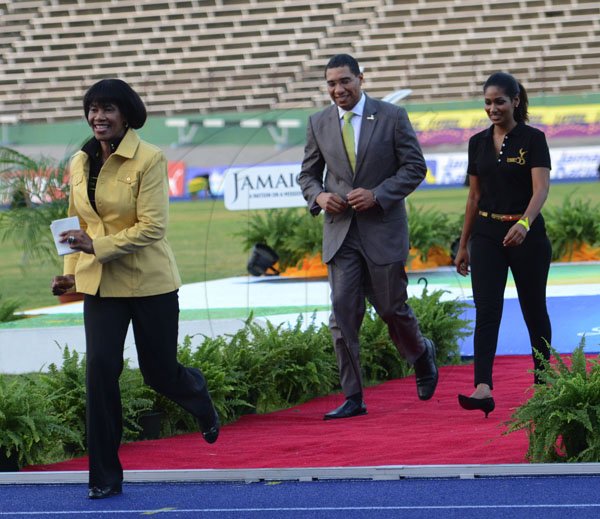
(487, 405)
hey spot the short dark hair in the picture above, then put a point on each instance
(343, 60)
(118, 92)
(512, 88)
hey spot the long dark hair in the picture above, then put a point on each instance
(512, 88)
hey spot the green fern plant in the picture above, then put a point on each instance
(574, 222)
(66, 390)
(295, 233)
(439, 319)
(431, 228)
(306, 238)
(261, 367)
(28, 428)
(243, 362)
(136, 399)
(273, 228)
(562, 418)
(225, 378)
(380, 359)
(65, 387)
(296, 362)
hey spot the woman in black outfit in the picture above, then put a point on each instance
(509, 173)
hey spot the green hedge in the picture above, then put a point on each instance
(260, 368)
(294, 233)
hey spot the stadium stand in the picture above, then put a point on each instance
(189, 56)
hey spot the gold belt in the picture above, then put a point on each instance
(501, 217)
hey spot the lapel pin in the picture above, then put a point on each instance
(371, 117)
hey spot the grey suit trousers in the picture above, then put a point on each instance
(354, 278)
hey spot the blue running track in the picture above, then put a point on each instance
(479, 498)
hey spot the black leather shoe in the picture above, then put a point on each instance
(426, 371)
(348, 409)
(210, 429)
(103, 492)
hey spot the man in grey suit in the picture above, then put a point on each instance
(373, 161)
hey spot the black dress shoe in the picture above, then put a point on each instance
(103, 492)
(426, 372)
(210, 429)
(348, 409)
(487, 405)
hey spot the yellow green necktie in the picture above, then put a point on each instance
(348, 137)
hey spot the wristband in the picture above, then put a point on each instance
(525, 223)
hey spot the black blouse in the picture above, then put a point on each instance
(94, 151)
(505, 178)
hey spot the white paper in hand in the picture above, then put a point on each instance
(58, 226)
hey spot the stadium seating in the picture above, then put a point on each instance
(187, 56)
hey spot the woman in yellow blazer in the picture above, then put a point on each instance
(126, 269)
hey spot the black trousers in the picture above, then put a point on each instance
(353, 277)
(529, 264)
(155, 326)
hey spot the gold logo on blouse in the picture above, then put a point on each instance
(520, 160)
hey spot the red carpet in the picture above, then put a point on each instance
(399, 430)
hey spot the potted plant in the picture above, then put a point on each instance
(36, 192)
(305, 242)
(431, 235)
(276, 228)
(562, 418)
(296, 236)
(574, 230)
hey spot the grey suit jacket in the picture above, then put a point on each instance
(389, 162)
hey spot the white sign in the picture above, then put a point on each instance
(274, 186)
(262, 187)
(575, 163)
(580, 163)
(445, 169)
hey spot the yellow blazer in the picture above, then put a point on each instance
(132, 256)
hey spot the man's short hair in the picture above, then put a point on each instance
(343, 60)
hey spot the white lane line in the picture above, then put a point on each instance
(304, 509)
